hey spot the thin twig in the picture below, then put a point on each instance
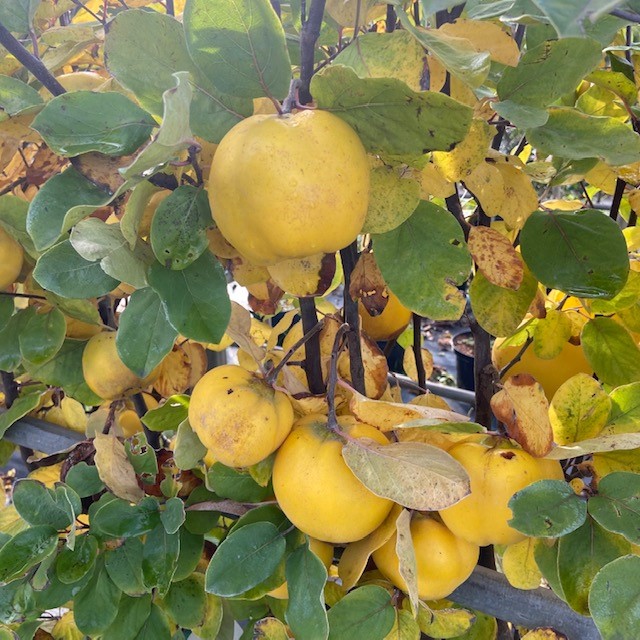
(417, 351)
(332, 378)
(22, 295)
(517, 357)
(617, 199)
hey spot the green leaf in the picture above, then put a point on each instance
(13, 216)
(611, 351)
(25, 550)
(84, 480)
(142, 457)
(568, 133)
(240, 46)
(581, 554)
(159, 559)
(118, 518)
(306, 576)
(388, 116)
(16, 96)
(188, 450)
(546, 557)
(583, 254)
(547, 509)
(616, 507)
(195, 298)
(156, 626)
(174, 134)
(625, 409)
(178, 228)
(65, 370)
(498, 310)
(191, 547)
(65, 272)
(73, 565)
(186, 601)
(19, 409)
(85, 310)
(616, 82)
(134, 210)
(458, 57)
(83, 121)
(124, 566)
(37, 504)
(568, 16)
(213, 621)
(173, 515)
(42, 336)
(244, 559)
(523, 116)
(614, 597)
(235, 485)
(549, 71)
(10, 355)
(143, 351)
(17, 15)
(366, 612)
(95, 606)
(144, 48)
(94, 240)
(131, 617)
(201, 522)
(7, 308)
(169, 415)
(423, 259)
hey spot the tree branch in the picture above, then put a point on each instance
(308, 38)
(33, 64)
(629, 16)
(417, 350)
(312, 367)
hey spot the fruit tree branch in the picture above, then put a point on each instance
(417, 350)
(33, 64)
(308, 38)
(312, 367)
(629, 16)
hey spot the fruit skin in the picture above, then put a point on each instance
(443, 560)
(316, 489)
(549, 373)
(323, 550)
(389, 324)
(496, 474)
(104, 371)
(289, 186)
(11, 256)
(238, 416)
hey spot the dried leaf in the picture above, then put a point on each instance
(523, 407)
(114, 468)
(239, 330)
(356, 555)
(264, 297)
(368, 285)
(407, 564)
(310, 276)
(174, 373)
(413, 474)
(409, 363)
(376, 368)
(496, 258)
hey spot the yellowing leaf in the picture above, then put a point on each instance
(444, 622)
(74, 414)
(519, 565)
(270, 629)
(239, 330)
(409, 363)
(114, 468)
(562, 205)
(407, 565)
(543, 634)
(487, 185)
(174, 373)
(433, 183)
(413, 474)
(605, 463)
(632, 237)
(602, 444)
(65, 628)
(551, 334)
(520, 198)
(579, 409)
(11, 522)
(430, 399)
(47, 475)
(405, 627)
(602, 177)
(388, 415)
(458, 163)
(496, 258)
(486, 36)
(356, 555)
(523, 407)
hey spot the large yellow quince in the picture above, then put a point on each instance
(496, 474)
(390, 323)
(443, 560)
(316, 489)
(289, 186)
(11, 256)
(238, 416)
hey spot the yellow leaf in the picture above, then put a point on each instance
(283, 325)
(579, 409)
(114, 468)
(433, 183)
(602, 177)
(496, 258)
(409, 363)
(618, 442)
(520, 198)
(519, 565)
(356, 555)
(437, 74)
(444, 622)
(523, 407)
(562, 205)
(10, 521)
(458, 163)
(65, 628)
(551, 334)
(606, 463)
(543, 634)
(487, 184)
(74, 414)
(632, 236)
(47, 475)
(407, 564)
(404, 627)
(430, 399)
(393, 197)
(270, 629)
(486, 36)
(239, 330)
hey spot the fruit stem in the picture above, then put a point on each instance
(292, 97)
(332, 380)
(272, 376)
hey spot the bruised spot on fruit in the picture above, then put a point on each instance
(508, 455)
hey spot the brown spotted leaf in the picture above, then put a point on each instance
(523, 407)
(264, 297)
(496, 258)
(114, 468)
(413, 474)
(368, 285)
